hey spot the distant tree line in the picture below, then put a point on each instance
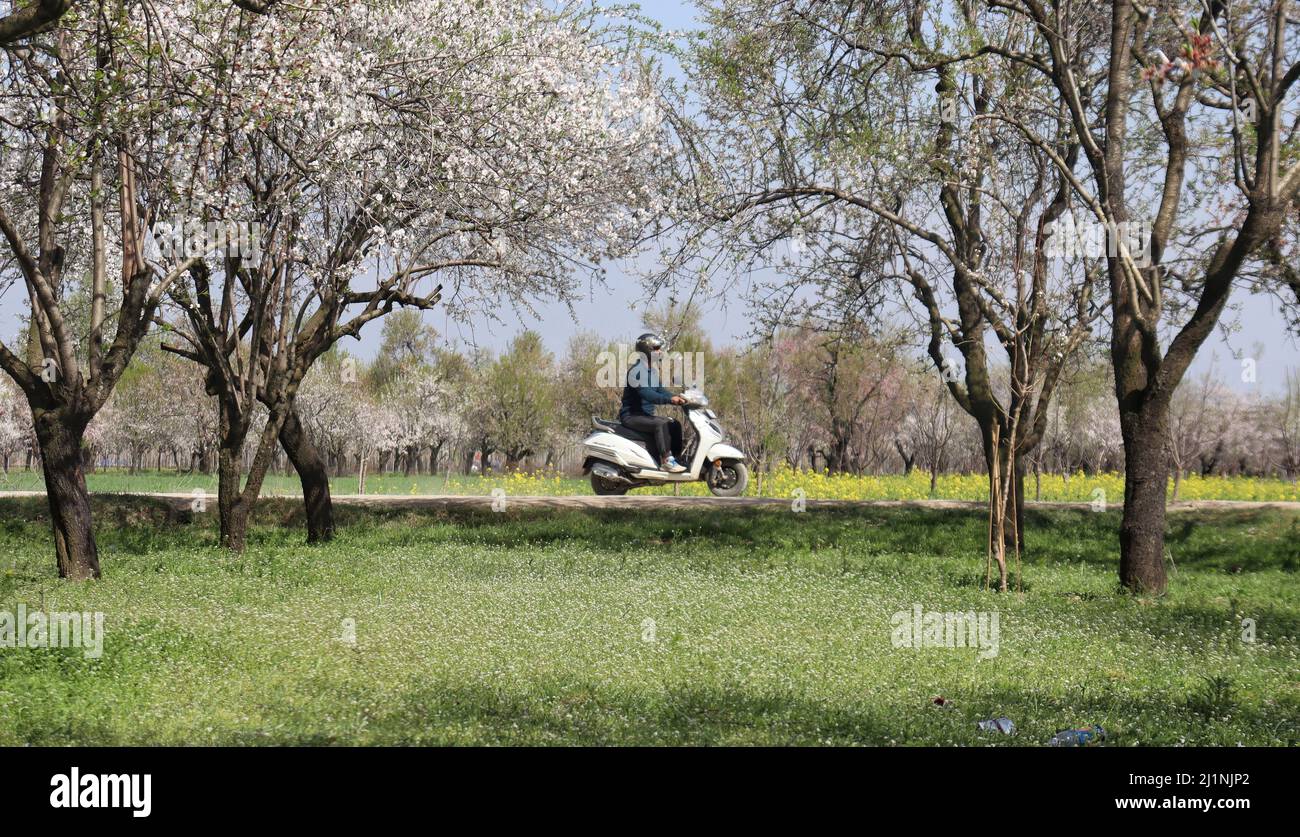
(806, 399)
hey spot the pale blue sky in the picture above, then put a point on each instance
(1254, 327)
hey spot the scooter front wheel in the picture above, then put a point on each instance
(730, 480)
(606, 488)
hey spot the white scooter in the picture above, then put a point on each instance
(618, 458)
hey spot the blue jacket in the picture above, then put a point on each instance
(642, 391)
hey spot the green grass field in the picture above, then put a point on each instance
(150, 481)
(527, 627)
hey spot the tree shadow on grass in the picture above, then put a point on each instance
(1223, 625)
(1248, 540)
(1238, 541)
(588, 714)
(867, 529)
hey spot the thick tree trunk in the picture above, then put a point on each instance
(231, 510)
(235, 502)
(838, 455)
(60, 438)
(313, 476)
(1146, 481)
(909, 461)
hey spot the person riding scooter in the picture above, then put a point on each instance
(640, 395)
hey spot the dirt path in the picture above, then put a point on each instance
(657, 501)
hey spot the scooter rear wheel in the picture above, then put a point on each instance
(606, 488)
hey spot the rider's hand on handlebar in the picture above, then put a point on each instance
(677, 399)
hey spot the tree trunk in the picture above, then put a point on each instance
(1013, 535)
(313, 476)
(59, 437)
(1146, 481)
(235, 502)
(835, 456)
(231, 510)
(908, 461)
(1019, 485)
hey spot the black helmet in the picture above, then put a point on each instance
(649, 342)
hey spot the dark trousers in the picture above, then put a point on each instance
(665, 433)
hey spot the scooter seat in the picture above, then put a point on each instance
(619, 430)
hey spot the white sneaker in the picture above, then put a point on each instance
(672, 466)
